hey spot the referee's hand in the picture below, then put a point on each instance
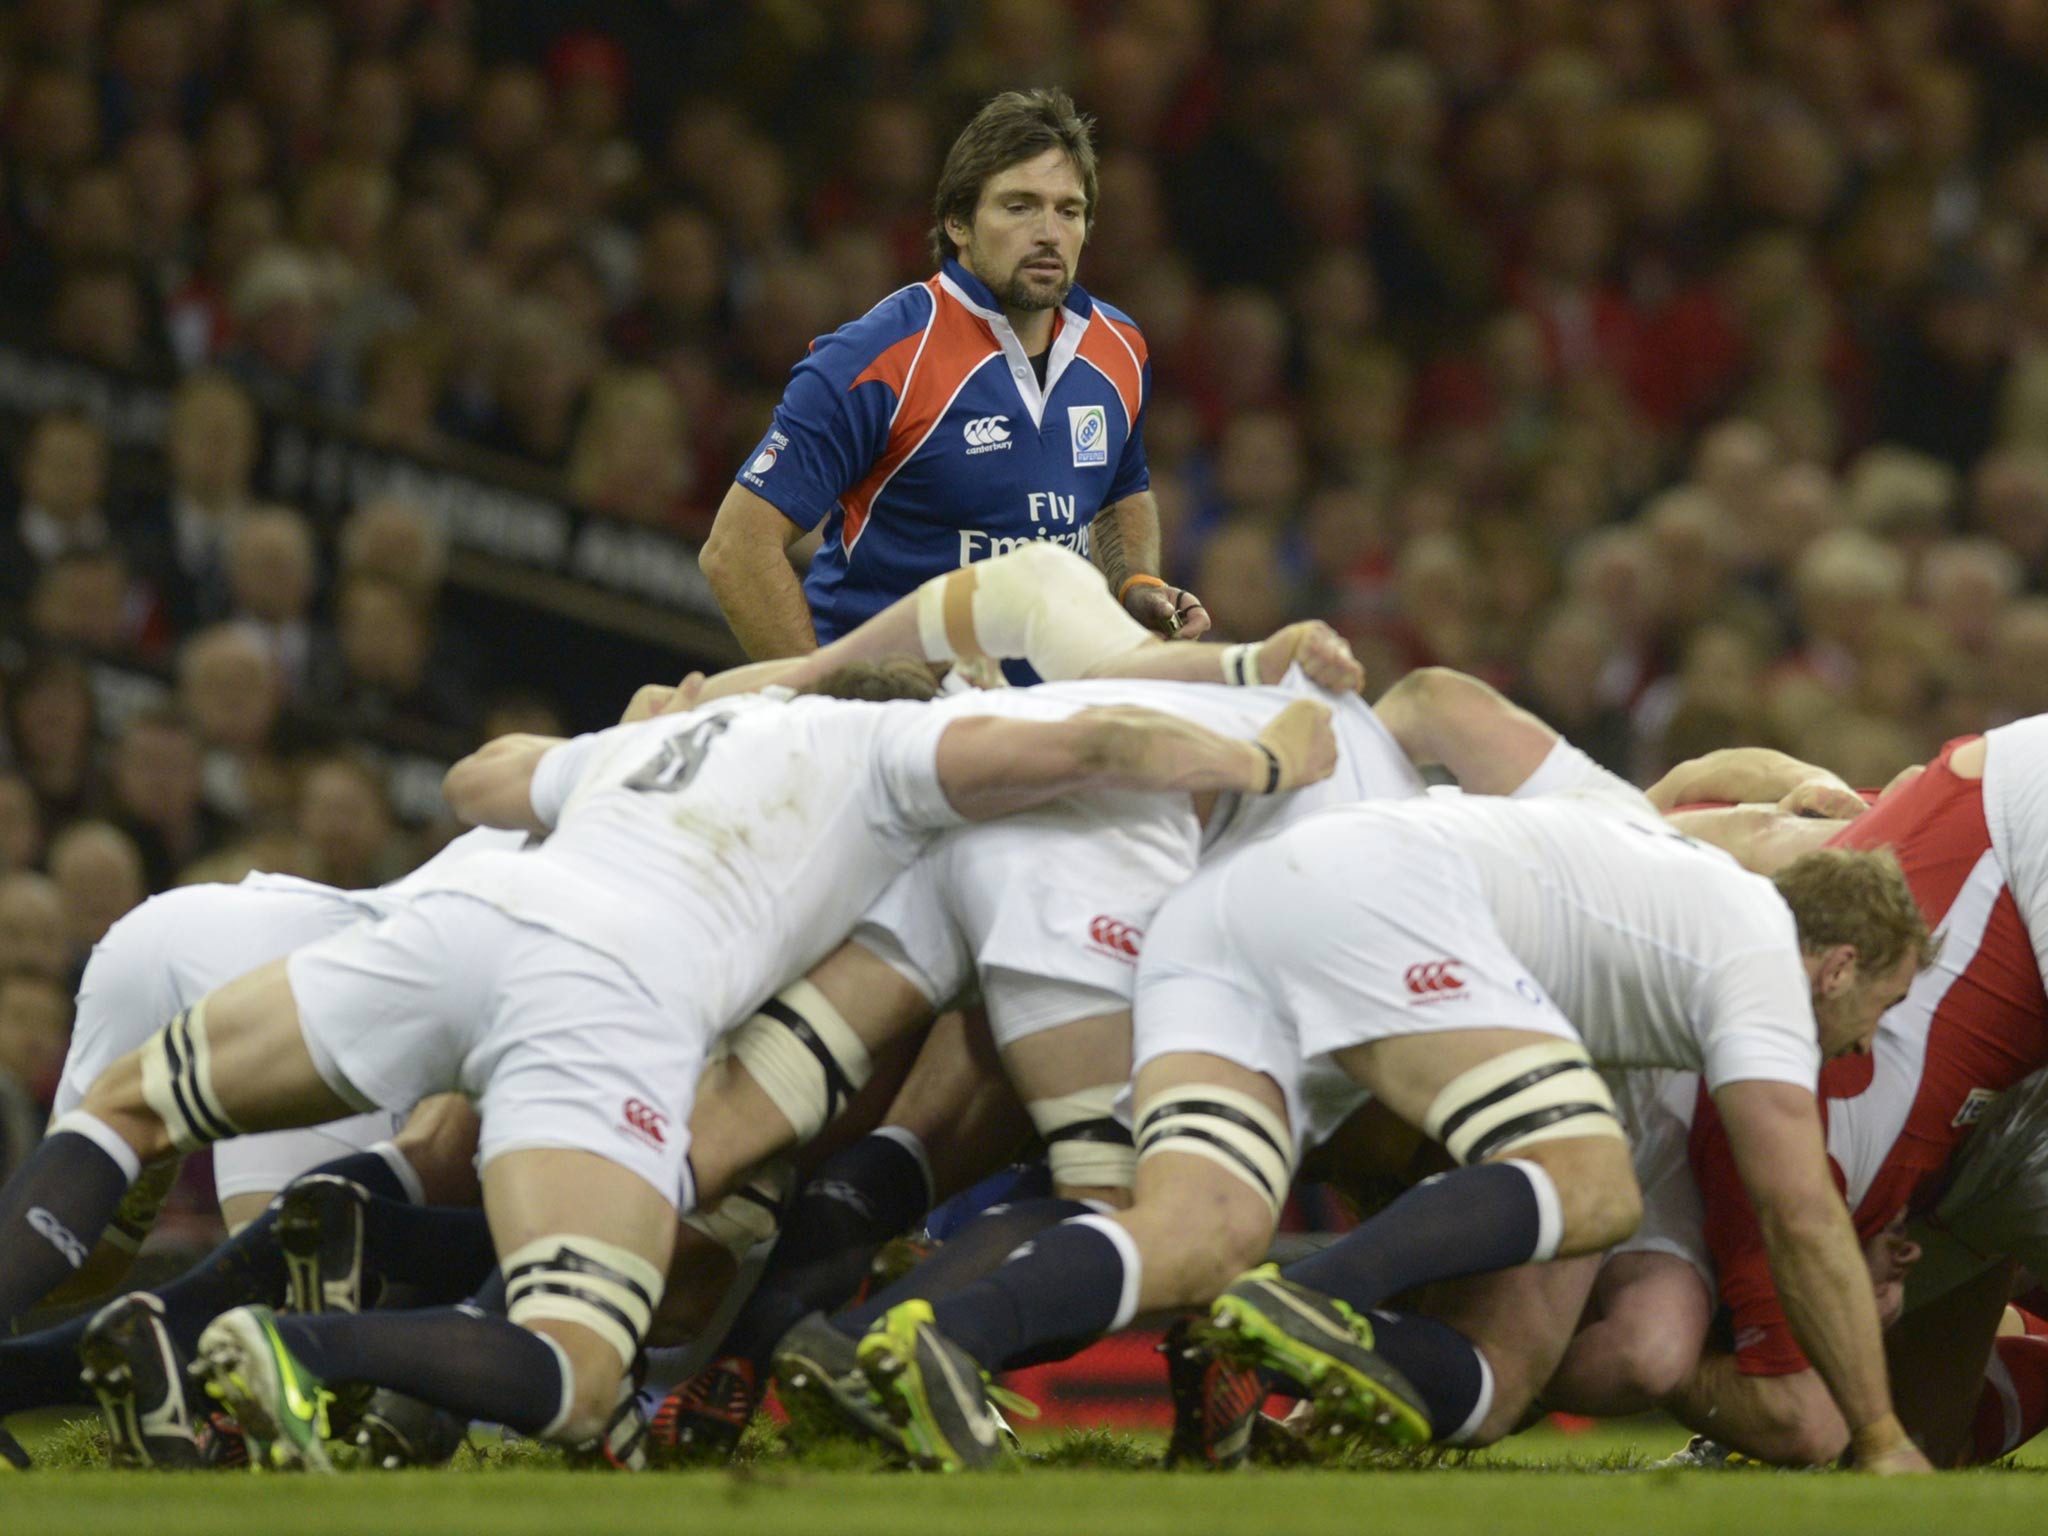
(1173, 612)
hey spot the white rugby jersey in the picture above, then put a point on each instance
(1370, 764)
(719, 853)
(1661, 951)
(2016, 813)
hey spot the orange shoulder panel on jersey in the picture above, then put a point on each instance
(894, 363)
(1118, 352)
(953, 345)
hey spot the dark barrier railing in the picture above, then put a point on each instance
(573, 604)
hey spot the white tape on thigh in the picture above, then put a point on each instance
(752, 1213)
(803, 1054)
(1233, 1130)
(1544, 1092)
(1086, 1144)
(177, 1083)
(582, 1280)
(1041, 604)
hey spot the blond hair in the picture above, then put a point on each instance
(1858, 897)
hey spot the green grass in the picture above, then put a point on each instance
(1540, 1482)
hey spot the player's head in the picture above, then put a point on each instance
(1862, 935)
(877, 682)
(1017, 196)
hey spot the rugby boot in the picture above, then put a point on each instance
(820, 1386)
(1264, 1322)
(134, 1368)
(281, 1406)
(12, 1457)
(399, 1431)
(320, 1229)
(937, 1397)
(1703, 1454)
(702, 1420)
(1215, 1404)
(222, 1445)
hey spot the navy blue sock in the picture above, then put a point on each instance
(1440, 1362)
(1470, 1221)
(52, 1212)
(249, 1267)
(40, 1370)
(370, 1170)
(1066, 1286)
(976, 1250)
(860, 1198)
(440, 1253)
(474, 1366)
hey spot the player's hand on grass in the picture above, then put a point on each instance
(1323, 655)
(1828, 798)
(1302, 744)
(1173, 612)
(1884, 1448)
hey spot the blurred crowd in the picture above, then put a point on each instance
(1679, 365)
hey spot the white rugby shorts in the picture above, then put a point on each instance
(558, 1044)
(172, 951)
(1335, 932)
(1656, 1110)
(1047, 913)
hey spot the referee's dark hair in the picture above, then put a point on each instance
(1010, 128)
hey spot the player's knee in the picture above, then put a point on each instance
(1233, 1160)
(117, 1100)
(591, 1373)
(595, 1301)
(1655, 1361)
(1601, 1211)
(1809, 1441)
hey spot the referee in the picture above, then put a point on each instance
(993, 404)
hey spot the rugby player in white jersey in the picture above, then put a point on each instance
(1046, 913)
(696, 863)
(1968, 830)
(1434, 951)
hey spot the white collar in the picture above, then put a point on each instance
(1064, 346)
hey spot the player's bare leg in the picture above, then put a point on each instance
(1647, 1323)
(773, 1091)
(1069, 1077)
(1195, 1220)
(1546, 1175)
(234, 1063)
(584, 1243)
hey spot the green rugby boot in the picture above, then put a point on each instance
(280, 1404)
(1267, 1323)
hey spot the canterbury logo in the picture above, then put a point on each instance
(1434, 978)
(647, 1120)
(60, 1237)
(986, 431)
(1118, 938)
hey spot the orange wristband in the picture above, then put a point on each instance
(1139, 580)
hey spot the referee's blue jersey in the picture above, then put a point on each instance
(921, 436)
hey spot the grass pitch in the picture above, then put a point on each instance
(1584, 1485)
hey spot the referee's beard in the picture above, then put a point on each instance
(1027, 290)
